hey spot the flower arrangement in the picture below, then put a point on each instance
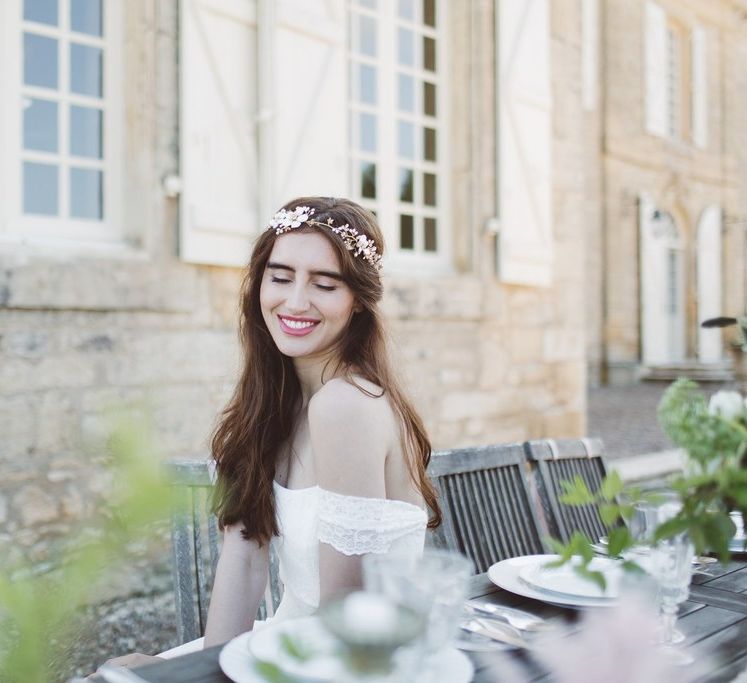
(714, 435)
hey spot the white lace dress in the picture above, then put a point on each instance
(350, 524)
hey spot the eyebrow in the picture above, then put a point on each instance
(323, 273)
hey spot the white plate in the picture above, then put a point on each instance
(237, 662)
(505, 574)
(322, 661)
(565, 581)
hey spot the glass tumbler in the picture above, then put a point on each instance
(434, 585)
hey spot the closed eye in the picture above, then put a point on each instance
(280, 280)
(327, 288)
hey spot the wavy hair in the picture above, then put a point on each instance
(260, 417)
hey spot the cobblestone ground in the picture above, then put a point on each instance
(624, 417)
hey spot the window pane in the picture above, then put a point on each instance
(430, 243)
(41, 11)
(367, 36)
(429, 99)
(40, 125)
(429, 53)
(429, 144)
(86, 68)
(407, 9)
(368, 132)
(367, 84)
(406, 47)
(406, 182)
(406, 232)
(406, 140)
(40, 189)
(39, 61)
(368, 180)
(85, 16)
(429, 189)
(406, 93)
(86, 193)
(429, 12)
(86, 138)
(367, 3)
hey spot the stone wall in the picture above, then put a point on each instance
(681, 178)
(81, 331)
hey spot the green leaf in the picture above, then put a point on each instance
(593, 576)
(576, 492)
(612, 486)
(619, 539)
(671, 527)
(610, 513)
(271, 672)
(294, 649)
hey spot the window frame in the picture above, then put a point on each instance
(15, 226)
(387, 204)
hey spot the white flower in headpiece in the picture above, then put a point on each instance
(360, 244)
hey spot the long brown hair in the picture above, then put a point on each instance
(260, 417)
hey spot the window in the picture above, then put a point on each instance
(676, 78)
(63, 133)
(397, 130)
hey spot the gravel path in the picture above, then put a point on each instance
(624, 417)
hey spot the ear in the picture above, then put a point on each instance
(357, 307)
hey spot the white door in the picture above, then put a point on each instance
(709, 283)
(661, 287)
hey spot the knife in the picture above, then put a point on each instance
(118, 674)
(524, 621)
(495, 630)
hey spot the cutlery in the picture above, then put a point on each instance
(523, 621)
(496, 630)
(118, 674)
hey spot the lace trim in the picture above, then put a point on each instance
(355, 526)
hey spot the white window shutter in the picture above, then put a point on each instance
(655, 32)
(699, 87)
(309, 57)
(218, 137)
(525, 245)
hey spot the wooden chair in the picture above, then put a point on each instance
(195, 541)
(486, 502)
(555, 460)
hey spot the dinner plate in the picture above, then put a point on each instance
(237, 662)
(565, 581)
(505, 574)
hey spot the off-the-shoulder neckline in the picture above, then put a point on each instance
(316, 488)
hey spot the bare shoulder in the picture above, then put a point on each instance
(352, 432)
(340, 400)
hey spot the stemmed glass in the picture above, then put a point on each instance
(668, 561)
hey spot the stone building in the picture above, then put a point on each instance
(668, 151)
(145, 143)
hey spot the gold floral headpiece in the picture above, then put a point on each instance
(358, 243)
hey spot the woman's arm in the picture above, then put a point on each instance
(350, 435)
(240, 581)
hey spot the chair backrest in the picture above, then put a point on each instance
(195, 543)
(486, 503)
(556, 460)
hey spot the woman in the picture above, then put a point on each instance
(318, 451)
(318, 448)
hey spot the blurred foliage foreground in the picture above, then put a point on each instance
(38, 610)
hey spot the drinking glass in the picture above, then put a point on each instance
(434, 585)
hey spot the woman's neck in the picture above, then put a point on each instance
(313, 372)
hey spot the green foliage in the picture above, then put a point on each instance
(714, 483)
(37, 610)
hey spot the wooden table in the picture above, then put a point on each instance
(714, 621)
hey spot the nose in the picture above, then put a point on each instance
(298, 300)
